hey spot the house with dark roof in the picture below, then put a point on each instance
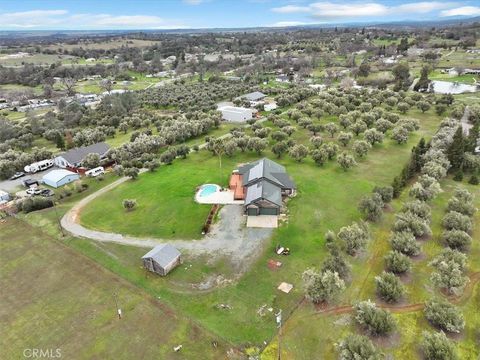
(254, 98)
(262, 184)
(73, 158)
(161, 259)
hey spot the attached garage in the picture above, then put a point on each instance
(61, 177)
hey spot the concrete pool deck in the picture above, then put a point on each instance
(224, 197)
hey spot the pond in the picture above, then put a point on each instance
(447, 87)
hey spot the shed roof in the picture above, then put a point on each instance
(77, 155)
(264, 190)
(254, 96)
(163, 254)
(57, 175)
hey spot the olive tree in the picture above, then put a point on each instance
(397, 263)
(444, 315)
(371, 207)
(436, 346)
(344, 138)
(361, 148)
(405, 242)
(91, 161)
(354, 237)
(346, 161)
(373, 136)
(456, 221)
(389, 287)
(320, 156)
(298, 152)
(400, 134)
(358, 347)
(457, 239)
(449, 271)
(376, 321)
(322, 287)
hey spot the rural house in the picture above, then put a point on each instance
(73, 158)
(254, 98)
(262, 184)
(161, 259)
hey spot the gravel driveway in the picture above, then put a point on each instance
(229, 236)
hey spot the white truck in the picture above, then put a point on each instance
(38, 166)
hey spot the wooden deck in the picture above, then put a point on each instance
(236, 184)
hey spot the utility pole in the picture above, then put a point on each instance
(278, 318)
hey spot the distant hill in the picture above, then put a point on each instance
(394, 24)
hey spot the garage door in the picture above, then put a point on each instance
(268, 211)
(252, 211)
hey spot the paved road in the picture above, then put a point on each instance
(229, 237)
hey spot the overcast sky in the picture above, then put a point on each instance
(168, 14)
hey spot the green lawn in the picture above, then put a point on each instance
(55, 298)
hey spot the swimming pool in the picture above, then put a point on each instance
(208, 189)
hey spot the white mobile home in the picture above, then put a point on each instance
(236, 114)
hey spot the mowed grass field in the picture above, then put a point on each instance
(55, 298)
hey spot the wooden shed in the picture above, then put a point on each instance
(161, 259)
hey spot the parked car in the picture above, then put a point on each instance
(30, 182)
(17, 175)
(47, 192)
(34, 191)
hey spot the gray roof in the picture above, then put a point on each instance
(264, 190)
(77, 155)
(163, 254)
(268, 169)
(254, 96)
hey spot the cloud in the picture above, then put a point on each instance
(291, 9)
(62, 19)
(330, 11)
(288, 23)
(462, 11)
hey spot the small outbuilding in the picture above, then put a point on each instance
(161, 259)
(4, 196)
(57, 178)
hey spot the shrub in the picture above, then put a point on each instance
(371, 207)
(374, 320)
(436, 346)
(358, 347)
(418, 208)
(458, 176)
(473, 180)
(35, 203)
(320, 287)
(405, 242)
(457, 239)
(354, 237)
(386, 192)
(456, 221)
(461, 206)
(389, 287)
(444, 315)
(129, 204)
(397, 263)
(411, 223)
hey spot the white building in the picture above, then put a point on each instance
(236, 114)
(57, 178)
(270, 106)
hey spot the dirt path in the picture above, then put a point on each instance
(467, 293)
(229, 236)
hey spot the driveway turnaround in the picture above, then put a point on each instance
(229, 237)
